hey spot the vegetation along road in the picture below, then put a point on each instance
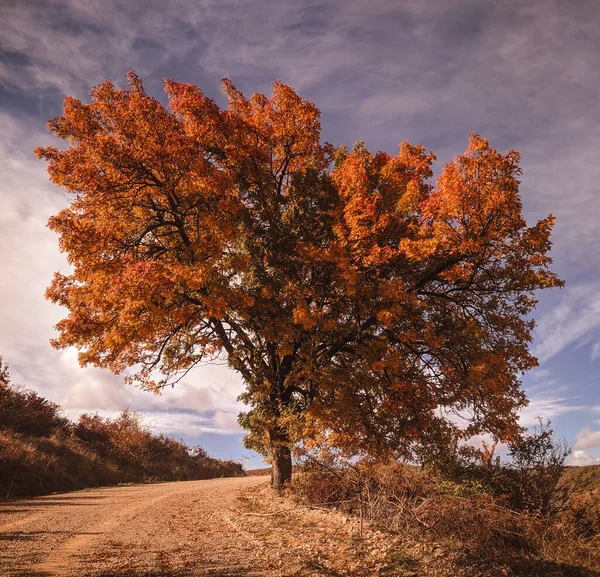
(229, 527)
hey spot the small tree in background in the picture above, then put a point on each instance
(538, 460)
(529, 478)
(354, 298)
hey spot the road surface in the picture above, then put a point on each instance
(169, 529)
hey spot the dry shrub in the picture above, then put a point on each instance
(42, 452)
(404, 498)
(128, 442)
(99, 452)
(24, 411)
(476, 521)
(530, 480)
(584, 514)
(400, 497)
(142, 454)
(38, 465)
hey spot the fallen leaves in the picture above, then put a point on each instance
(292, 540)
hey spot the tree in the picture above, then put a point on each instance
(358, 302)
(538, 461)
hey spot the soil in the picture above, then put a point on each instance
(167, 529)
(231, 527)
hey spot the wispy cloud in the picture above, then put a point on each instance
(65, 45)
(574, 318)
(547, 406)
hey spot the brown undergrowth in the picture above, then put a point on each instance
(478, 531)
(41, 451)
(291, 539)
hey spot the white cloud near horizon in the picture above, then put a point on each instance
(178, 424)
(582, 458)
(587, 439)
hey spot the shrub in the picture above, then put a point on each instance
(41, 451)
(529, 481)
(26, 412)
(405, 498)
(584, 515)
(38, 465)
(141, 452)
(538, 461)
(464, 511)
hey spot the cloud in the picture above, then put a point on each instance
(28, 250)
(587, 439)
(192, 424)
(203, 403)
(574, 318)
(547, 406)
(177, 423)
(581, 458)
(227, 422)
(65, 45)
(539, 374)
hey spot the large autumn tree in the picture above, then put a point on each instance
(361, 305)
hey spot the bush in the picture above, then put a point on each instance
(142, 454)
(584, 515)
(41, 451)
(538, 461)
(529, 481)
(24, 411)
(39, 465)
(405, 498)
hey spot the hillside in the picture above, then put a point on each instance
(42, 452)
(583, 479)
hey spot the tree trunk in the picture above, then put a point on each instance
(281, 466)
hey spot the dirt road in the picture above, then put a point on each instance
(170, 529)
(219, 528)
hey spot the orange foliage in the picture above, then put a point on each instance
(354, 297)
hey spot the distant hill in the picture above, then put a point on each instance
(583, 479)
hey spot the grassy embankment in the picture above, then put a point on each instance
(41, 451)
(486, 526)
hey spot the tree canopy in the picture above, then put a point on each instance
(361, 304)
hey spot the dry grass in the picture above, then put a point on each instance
(43, 452)
(462, 517)
(40, 465)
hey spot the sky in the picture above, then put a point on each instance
(522, 73)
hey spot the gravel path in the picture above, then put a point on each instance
(165, 530)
